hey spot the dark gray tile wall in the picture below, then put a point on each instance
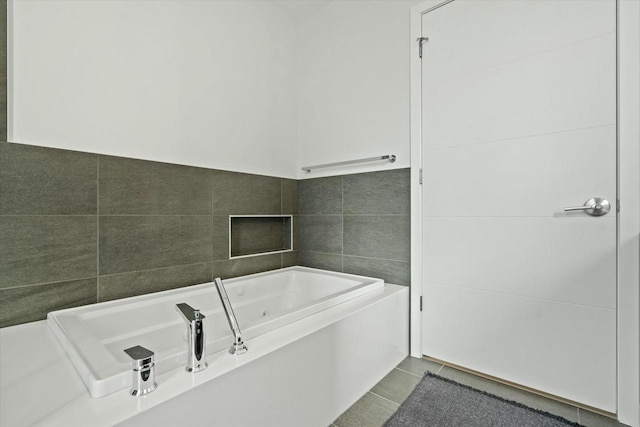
(357, 224)
(79, 228)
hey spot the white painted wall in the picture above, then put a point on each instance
(204, 83)
(353, 85)
(214, 84)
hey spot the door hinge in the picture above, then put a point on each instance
(618, 205)
(421, 40)
(420, 176)
(420, 302)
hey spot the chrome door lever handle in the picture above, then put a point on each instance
(580, 208)
(594, 207)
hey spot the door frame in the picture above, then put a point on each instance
(628, 271)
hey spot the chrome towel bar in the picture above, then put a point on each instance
(390, 157)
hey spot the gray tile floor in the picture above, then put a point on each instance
(379, 403)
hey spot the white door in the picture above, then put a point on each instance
(519, 122)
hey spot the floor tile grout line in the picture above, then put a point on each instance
(413, 373)
(384, 398)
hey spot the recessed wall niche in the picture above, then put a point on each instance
(253, 235)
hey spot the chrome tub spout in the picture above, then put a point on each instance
(238, 346)
(195, 330)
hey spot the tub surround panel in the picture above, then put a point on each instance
(148, 226)
(115, 286)
(357, 224)
(138, 187)
(42, 181)
(245, 194)
(30, 303)
(44, 249)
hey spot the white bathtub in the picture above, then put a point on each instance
(95, 336)
(302, 373)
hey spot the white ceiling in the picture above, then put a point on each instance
(299, 9)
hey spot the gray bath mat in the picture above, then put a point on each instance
(440, 402)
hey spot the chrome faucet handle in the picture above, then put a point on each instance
(143, 370)
(196, 356)
(189, 314)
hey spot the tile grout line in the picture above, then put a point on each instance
(147, 215)
(98, 228)
(410, 373)
(359, 256)
(342, 225)
(284, 226)
(365, 214)
(384, 398)
(48, 283)
(45, 215)
(213, 249)
(107, 275)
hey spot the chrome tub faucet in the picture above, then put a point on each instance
(238, 346)
(196, 360)
(144, 376)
